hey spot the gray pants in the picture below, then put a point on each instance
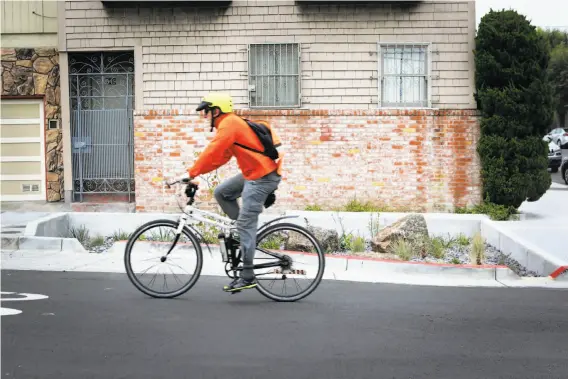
(254, 194)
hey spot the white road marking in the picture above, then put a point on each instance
(26, 297)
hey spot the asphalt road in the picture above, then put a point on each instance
(98, 326)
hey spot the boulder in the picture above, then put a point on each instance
(412, 228)
(328, 239)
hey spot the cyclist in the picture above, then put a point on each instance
(260, 176)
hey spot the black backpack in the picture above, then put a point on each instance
(265, 137)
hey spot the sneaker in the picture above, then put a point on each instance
(240, 284)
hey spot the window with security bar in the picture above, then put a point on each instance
(274, 75)
(404, 75)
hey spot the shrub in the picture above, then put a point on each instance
(494, 211)
(516, 102)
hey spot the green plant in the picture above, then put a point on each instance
(120, 235)
(477, 252)
(455, 261)
(161, 236)
(462, 240)
(402, 248)
(358, 245)
(81, 233)
(515, 97)
(97, 241)
(313, 208)
(437, 247)
(358, 206)
(374, 226)
(210, 233)
(272, 242)
(494, 211)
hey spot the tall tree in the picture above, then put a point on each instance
(515, 98)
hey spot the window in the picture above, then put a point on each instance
(274, 75)
(403, 75)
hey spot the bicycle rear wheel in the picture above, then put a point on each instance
(151, 245)
(303, 257)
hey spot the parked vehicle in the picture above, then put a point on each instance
(559, 136)
(564, 170)
(554, 155)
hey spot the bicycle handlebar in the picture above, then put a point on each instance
(190, 190)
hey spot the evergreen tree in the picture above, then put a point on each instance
(515, 98)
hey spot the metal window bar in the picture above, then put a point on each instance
(404, 75)
(274, 75)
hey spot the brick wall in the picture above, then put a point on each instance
(187, 51)
(421, 160)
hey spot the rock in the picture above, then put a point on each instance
(21, 74)
(51, 136)
(22, 54)
(52, 177)
(56, 186)
(328, 238)
(413, 228)
(51, 111)
(55, 59)
(26, 63)
(45, 52)
(53, 195)
(8, 83)
(50, 95)
(40, 83)
(43, 65)
(9, 55)
(58, 95)
(54, 77)
(26, 88)
(51, 160)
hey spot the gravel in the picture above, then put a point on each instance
(457, 254)
(453, 255)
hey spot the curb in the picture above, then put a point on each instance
(528, 255)
(71, 245)
(43, 226)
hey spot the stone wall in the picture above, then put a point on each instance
(27, 72)
(420, 160)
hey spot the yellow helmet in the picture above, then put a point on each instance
(222, 101)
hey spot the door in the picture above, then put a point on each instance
(101, 88)
(22, 163)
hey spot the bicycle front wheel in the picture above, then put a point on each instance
(158, 268)
(302, 258)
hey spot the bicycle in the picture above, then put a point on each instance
(284, 265)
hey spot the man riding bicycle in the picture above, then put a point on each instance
(260, 175)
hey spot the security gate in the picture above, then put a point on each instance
(101, 88)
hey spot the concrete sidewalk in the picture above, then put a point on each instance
(546, 222)
(337, 268)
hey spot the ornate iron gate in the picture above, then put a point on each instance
(101, 87)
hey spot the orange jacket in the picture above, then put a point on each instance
(230, 129)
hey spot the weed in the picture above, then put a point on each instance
(477, 252)
(403, 249)
(455, 261)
